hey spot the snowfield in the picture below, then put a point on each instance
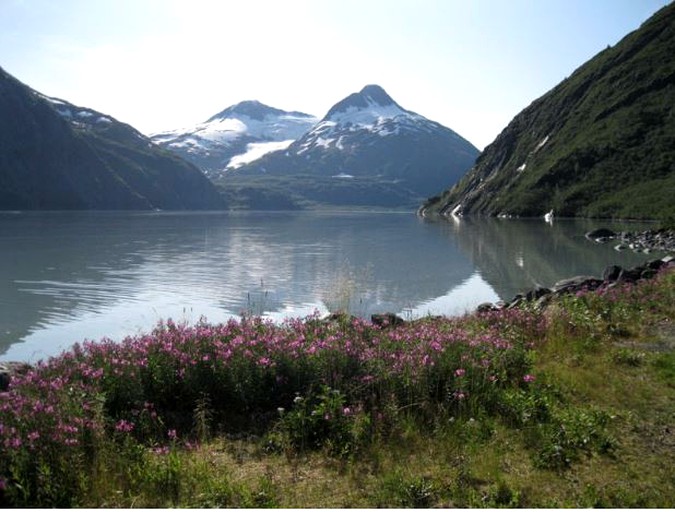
(256, 150)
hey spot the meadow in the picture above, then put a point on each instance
(570, 406)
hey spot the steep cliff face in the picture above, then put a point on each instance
(56, 156)
(601, 143)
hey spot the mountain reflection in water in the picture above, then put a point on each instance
(70, 276)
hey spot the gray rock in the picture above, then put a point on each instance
(537, 293)
(486, 307)
(574, 283)
(8, 369)
(4, 380)
(600, 233)
(387, 320)
(612, 273)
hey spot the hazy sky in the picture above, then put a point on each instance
(162, 64)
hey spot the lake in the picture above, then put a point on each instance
(70, 276)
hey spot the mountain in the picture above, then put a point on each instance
(236, 136)
(599, 144)
(56, 156)
(367, 150)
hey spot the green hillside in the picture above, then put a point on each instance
(56, 156)
(600, 144)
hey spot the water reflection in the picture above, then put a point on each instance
(517, 255)
(65, 277)
(70, 276)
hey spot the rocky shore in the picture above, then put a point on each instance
(639, 241)
(612, 276)
(652, 240)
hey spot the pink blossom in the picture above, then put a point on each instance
(14, 442)
(529, 378)
(460, 395)
(124, 426)
(459, 372)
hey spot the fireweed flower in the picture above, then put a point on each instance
(459, 372)
(124, 426)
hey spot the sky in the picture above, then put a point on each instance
(158, 65)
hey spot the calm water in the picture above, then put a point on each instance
(66, 277)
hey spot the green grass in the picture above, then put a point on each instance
(570, 407)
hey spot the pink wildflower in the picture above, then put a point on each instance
(124, 426)
(172, 434)
(459, 372)
(14, 442)
(161, 450)
(529, 378)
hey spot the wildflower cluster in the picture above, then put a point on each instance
(312, 382)
(147, 386)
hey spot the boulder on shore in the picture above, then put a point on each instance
(8, 369)
(612, 275)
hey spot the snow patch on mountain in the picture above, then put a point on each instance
(370, 117)
(236, 136)
(70, 112)
(256, 150)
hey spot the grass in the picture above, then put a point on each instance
(570, 407)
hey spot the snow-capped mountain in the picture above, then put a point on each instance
(373, 111)
(369, 136)
(236, 136)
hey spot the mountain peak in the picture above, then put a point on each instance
(250, 108)
(376, 94)
(368, 96)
